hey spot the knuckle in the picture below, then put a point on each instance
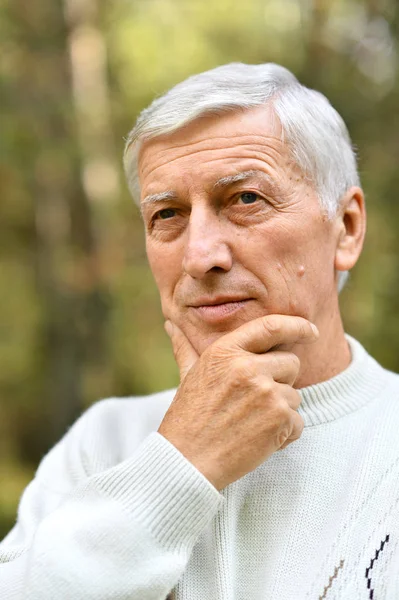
(266, 387)
(280, 414)
(282, 437)
(235, 379)
(287, 436)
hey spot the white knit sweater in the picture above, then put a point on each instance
(115, 512)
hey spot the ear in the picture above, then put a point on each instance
(351, 222)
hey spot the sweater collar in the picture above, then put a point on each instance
(348, 391)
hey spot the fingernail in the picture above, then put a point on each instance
(315, 330)
(168, 328)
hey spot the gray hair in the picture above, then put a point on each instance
(316, 134)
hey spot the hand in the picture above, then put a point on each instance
(236, 404)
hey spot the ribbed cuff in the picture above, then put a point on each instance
(164, 492)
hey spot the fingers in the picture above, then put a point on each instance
(291, 396)
(185, 354)
(282, 366)
(297, 429)
(262, 334)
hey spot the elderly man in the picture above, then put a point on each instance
(273, 470)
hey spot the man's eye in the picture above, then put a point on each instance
(248, 197)
(165, 213)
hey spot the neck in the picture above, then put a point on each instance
(326, 357)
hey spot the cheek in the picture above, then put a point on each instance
(303, 247)
(294, 263)
(165, 267)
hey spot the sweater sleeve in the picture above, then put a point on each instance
(124, 533)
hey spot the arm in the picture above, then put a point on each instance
(126, 532)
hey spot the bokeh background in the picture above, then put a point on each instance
(80, 317)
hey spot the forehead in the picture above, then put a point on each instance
(214, 146)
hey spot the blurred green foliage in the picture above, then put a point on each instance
(80, 316)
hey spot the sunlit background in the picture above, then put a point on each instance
(80, 317)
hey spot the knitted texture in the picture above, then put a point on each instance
(115, 511)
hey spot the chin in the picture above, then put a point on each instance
(201, 335)
(201, 341)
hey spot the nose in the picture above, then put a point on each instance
(206, 247)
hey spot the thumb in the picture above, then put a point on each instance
(185, 354)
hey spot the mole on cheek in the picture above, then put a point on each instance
(301, 271)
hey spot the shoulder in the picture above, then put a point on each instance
(393, 379)
(390, 396)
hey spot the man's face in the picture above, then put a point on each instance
(234, 231)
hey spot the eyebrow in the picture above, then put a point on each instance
(169, 195)
(224, 182)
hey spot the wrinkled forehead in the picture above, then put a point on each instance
(243, 120)
(240, 140)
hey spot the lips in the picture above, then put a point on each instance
(217, 301)
(215, 310)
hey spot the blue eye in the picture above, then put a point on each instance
(248, 198)
(166, 213)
